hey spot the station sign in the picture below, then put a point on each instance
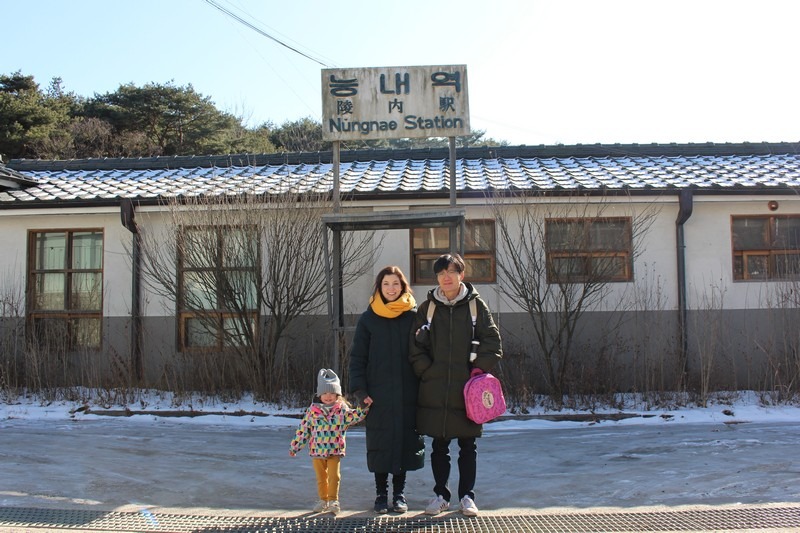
(394, 102)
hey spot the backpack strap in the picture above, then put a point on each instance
(473, 311)
(431, 309)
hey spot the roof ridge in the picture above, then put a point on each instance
(13, 177)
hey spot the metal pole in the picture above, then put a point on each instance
(336, 159)
(453, 232)
(128, 215)
(338, 296)
(685, 202)
(328, 280)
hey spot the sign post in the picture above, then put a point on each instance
(389, 103)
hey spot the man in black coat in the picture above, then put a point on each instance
(442, 357)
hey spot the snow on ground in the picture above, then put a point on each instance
(745, 406)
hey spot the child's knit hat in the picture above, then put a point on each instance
(328, 381)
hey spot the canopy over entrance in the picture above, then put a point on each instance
(383, 220)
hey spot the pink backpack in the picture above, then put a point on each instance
(483, 397)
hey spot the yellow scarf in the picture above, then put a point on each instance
(393, 309)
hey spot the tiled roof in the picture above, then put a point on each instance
(748, 167)
(11, 179)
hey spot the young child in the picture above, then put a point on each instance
(323, 428)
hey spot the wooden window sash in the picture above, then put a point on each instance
(67, 314)
(419, 254)
(219, 333)
(770, 252)
(585, 253)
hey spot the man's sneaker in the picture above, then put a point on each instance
(381, 504)
(468, 507)
(437, 506)
(399, 504)
(333, 507)
(321, 506)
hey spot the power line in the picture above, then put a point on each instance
(239, 19)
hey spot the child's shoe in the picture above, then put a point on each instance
(321, 506)
(333, 507)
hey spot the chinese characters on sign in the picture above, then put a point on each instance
(394, 102)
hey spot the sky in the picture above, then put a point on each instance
(736, 451)
(540, 72)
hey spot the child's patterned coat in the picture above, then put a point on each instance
(325, 431)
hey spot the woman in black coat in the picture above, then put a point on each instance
(381, 376)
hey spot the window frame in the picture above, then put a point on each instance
(770, 251)
(418, 276)
(588, 251)
(218, 313)
(34, 315)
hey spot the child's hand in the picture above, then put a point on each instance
(368, 401)
(291, 453)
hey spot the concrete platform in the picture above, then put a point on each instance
(771, 517)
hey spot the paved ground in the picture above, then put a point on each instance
(117, 475)
(699, 519)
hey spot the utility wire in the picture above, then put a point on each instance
(239, 19)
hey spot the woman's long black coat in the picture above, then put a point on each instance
(379, 366)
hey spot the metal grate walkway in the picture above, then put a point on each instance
(728, 519)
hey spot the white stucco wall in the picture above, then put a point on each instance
(13, 238)
(707, 236)
(17, 223)
(709, 264)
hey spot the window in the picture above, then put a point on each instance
(427, 244)
(218, 287)
(766, 247)
(588, 250)
(65, 287)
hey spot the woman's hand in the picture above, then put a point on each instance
(362, 397)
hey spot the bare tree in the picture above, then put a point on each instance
(781, 345)
(713, 343)
(242, 268)
(559, 259)
(654, 368)
(12, 313)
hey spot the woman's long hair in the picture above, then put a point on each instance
(388, 271)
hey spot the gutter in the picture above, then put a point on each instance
(685, 203)
(127, 215)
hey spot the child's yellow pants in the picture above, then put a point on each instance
(328, 476)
